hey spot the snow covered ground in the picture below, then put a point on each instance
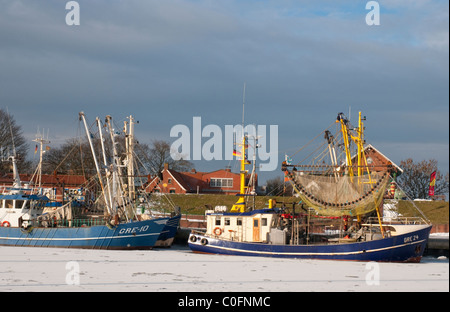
(179, 270)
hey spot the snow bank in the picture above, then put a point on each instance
(443, 235)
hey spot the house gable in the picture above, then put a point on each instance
(378, 161)
(221, 181)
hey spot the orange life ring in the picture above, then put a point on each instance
(217, 231)
(6, 224)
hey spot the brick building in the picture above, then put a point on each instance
(221, 181)
(377, 161)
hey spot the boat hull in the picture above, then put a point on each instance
(408, 247)
(133, 235)
(167, 235)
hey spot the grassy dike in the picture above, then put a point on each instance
(436, 211)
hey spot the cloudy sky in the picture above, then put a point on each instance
(165, 62)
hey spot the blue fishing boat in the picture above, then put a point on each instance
(27, 217)
(124, 236)
(338, 215)
(405, 243)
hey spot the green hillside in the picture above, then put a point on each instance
(436, 211)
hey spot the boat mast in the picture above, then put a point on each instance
(41, 141)
(116, 169)
(17, 184)
(108, 186)
(330, 140)
(344, 128)
(359, 140)
(240, 205)
(129, 139)
(81, 114)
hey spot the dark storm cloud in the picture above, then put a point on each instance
(167, 61)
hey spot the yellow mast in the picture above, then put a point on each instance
(348, 156)
(361, 157)
(240, 205)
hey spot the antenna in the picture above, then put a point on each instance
(243, 107)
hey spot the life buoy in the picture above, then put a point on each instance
(217, 231)
(6, 224)
(204, 241)
(193, 239)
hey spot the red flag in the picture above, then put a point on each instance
(432, 183)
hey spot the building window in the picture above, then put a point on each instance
(169, 181)
(172, 191)
(218, 182)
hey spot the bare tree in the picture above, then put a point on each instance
(75, 157)
(415, 179)
(159, 154)
(12, 141)
(72, 157)
(274, 187)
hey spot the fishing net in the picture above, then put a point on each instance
(50, 215)
(334, 195)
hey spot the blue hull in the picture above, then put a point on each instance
(167, 235)
(403, 248)
(133, 235)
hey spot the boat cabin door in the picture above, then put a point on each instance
(256, 229)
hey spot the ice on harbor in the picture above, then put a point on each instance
(179, 270)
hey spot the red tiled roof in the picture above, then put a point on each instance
(47, 180)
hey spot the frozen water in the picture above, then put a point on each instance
(179, 270)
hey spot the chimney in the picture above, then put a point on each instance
(166, 166)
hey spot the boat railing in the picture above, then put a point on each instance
(398, 221)
(79, 222)
(198, 232)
